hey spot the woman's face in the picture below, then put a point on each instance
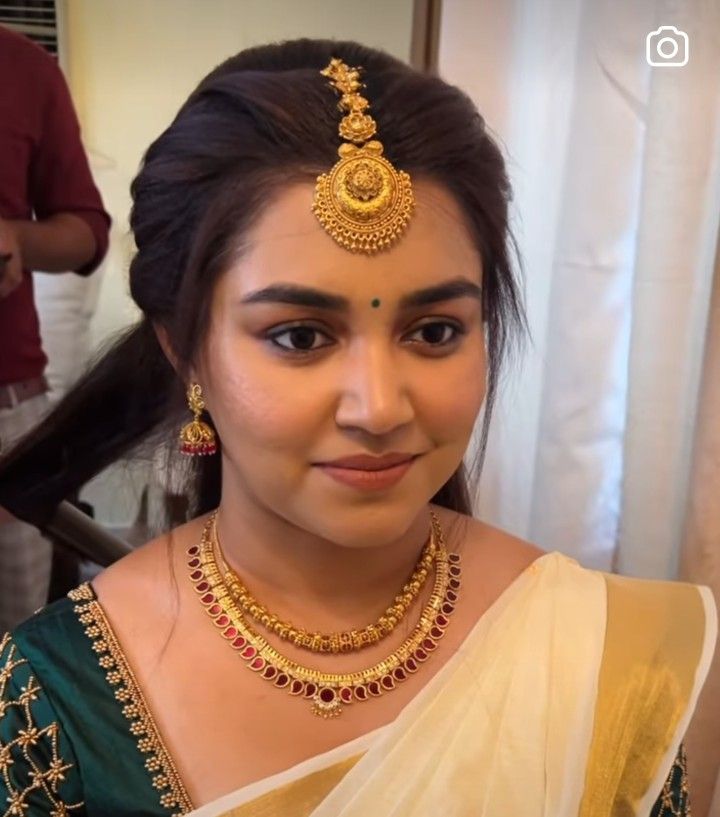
(291, 385)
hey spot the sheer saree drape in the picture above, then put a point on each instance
(569, 697)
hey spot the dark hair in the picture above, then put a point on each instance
(259, 120)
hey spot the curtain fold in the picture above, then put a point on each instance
(615, 166)
(672, 285)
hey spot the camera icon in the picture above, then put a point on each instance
(667, 46)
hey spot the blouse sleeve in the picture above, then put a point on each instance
(674, 801)
(38, 772)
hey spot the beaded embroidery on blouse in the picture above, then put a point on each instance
(674, 800)
(159, 764)
(44, 776)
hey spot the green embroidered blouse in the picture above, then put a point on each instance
(76, 737)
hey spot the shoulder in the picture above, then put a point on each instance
(53, 627)
(478, 542)
(492, 558)
(17, 45)
(30, 62)
(150, 571)
(659, 594)
(648, 610)
(142, 594)
(52, 647)
(669, 626)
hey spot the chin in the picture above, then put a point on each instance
(361, 526)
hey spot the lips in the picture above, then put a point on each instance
(365, 479)
(365, 462)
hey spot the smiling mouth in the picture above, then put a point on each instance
(368, 463)
(366, 479)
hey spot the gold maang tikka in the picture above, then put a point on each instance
(363, 203)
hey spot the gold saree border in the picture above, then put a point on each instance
(299, 797)
(656, 641)
(163, 773)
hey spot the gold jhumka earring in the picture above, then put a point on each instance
(196, 437)
(363, 203)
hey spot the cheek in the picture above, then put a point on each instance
(250, 401)
(453, 400)
(249, 409)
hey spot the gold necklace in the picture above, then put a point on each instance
(337, 642)
(328, 693)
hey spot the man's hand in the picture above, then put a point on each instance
(10, 261)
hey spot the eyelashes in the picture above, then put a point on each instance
(305, 334)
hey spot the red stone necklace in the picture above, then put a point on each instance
(328, 693)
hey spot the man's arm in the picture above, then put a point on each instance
(59, 243)
(69, 231)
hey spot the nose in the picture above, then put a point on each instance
(375, 395)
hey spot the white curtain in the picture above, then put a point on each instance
(616, 170)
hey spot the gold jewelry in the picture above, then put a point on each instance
(363, 203)
(197, 438)
(328, 692)
(345, 641)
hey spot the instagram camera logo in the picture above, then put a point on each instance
(667, 46)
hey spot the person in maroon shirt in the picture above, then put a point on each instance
(51, 219)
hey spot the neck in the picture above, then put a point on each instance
(301, 575)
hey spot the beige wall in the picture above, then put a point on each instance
(130, 65)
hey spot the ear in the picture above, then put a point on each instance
(164, 341)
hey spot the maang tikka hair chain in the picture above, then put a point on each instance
(363, 203)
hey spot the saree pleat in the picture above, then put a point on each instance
(658, 638)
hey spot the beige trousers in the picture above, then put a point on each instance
(25, 556)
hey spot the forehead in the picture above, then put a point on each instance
(287, 243)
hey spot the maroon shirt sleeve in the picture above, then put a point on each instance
(59, 179)
(43, 171)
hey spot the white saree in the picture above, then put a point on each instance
(569, 698)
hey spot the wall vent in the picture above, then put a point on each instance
(36, 19)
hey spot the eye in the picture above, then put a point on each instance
(302, 334)
(435, 333)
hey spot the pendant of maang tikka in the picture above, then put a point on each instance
(327, 693)
(363, 203)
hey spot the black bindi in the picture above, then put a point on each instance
(375, 302)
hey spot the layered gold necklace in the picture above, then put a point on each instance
(339, 642)
(229, 604)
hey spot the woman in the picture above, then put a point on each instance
(324, 275)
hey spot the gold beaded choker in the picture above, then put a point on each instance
(340, 642)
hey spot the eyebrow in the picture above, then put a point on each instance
(307, 296)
